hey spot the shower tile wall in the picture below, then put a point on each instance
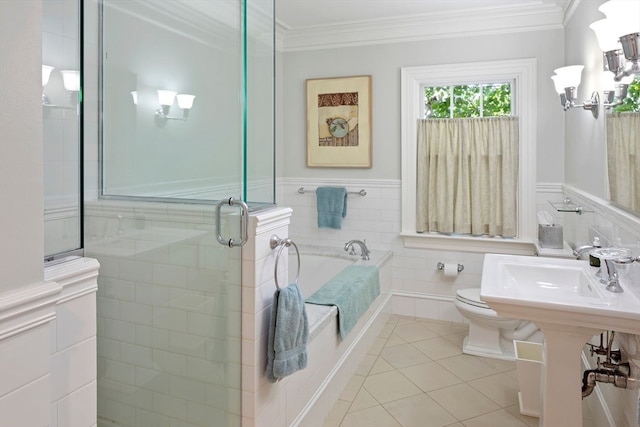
(168, 316)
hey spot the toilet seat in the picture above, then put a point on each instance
(471, 296)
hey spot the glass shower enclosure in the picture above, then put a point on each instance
(186, 122)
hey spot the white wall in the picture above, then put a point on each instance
(383, 62)
(21, 194)
(37, 386)
(585, 155)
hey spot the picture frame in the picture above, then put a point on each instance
(339, 122)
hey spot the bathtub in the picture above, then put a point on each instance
(313, 391)
(317, 266)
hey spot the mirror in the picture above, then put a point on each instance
(61, 117)
(623, 151)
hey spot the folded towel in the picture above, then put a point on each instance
(352, 291)
(332, 206)
(288, 334)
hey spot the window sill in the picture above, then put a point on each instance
(467, 244)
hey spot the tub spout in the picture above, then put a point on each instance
(349, 246)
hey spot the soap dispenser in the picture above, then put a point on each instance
(595, 261)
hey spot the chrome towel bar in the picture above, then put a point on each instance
(362, 192)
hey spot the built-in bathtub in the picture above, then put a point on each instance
(332, 361)
(317, 266)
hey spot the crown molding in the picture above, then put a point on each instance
(569, 10)
(498, 20)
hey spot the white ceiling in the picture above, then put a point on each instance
(317, 24)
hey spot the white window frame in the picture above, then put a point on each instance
(522, 72)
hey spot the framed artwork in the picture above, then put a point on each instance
(339, 122)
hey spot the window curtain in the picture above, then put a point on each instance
(623, 159)
(467, 180)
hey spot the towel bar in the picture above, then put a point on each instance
(362, 192)
(274, 242)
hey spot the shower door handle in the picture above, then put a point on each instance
(244, 222)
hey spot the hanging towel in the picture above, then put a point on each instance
(352, 291)
(288, 334)
(332, 206)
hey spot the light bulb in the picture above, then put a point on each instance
(165, 97)
(71, 80)
(624, 14)
(557, 84)
(185, 101)
(569, 76)
(46, 72)
(607, 34)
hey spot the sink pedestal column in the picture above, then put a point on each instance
(562, 373)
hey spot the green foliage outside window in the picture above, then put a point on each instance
(469, 100)
(632, 102)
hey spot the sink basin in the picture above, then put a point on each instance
(558, 290)
(552, 281)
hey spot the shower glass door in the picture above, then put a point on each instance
(179, 120)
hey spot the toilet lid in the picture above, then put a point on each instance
(471, 296)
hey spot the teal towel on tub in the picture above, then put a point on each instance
(332, 206)
(352, 291)
(288, 334)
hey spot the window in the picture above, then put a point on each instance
(474, 100)
(468, 83)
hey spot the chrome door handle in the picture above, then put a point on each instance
(244, 222)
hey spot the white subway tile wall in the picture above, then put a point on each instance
(168, 315)
(376, 218)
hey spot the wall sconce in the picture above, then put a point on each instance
(166, 98)
(566, 82)
(615, 92)
(134, 95)
(619, 37)
(46, 73)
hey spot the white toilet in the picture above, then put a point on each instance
(489, 334)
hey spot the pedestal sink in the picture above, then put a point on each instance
(564, 299)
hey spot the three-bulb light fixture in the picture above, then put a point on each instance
(619, 38)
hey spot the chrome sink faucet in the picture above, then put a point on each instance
(577, 252)
(613, 282)
(349, 246)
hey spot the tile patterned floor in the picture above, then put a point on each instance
(415, 375)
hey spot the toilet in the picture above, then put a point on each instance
(489, 334)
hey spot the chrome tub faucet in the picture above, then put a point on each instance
(364, 251)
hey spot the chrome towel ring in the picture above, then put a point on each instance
(274, 242)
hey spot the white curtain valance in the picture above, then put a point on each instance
(467, 180)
